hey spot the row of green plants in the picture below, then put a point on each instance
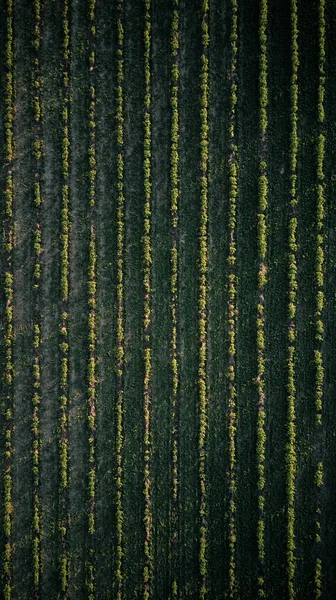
(174, 203)
(202, 298)
(291, 455)
(64, 345)
(147, 260)
(38, 200)
(262, 280)
(319, 280)
(8, 288)
(232, 304)
(92, 302)
(120, 301)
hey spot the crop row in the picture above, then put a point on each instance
(202, 298)
(174, 192)
(38, 201)
(8, 287)
(291, 458)
(64, 346)
(232, 304)
(262, 278)
(120, 300)
(319, 281)
(147, 260)
(92, 366)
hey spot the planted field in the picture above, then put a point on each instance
(167, 329)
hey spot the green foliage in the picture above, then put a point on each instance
(64, 289)
(291, 460)
(174, 206)
(202, 299)
(232, 301)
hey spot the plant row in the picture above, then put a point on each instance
(92, 333)
(147, 259)
(291, 456)
(319, 281)
(38, 200)
(8, 287)
(262, 270)
(232, 304)
(120, 300)
(202, 298)
(64, 346)
(174, 202)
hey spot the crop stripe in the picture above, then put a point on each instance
(291, 457)
(147, 320)
(320, 296)
(262, 279)
(8, 372)
(232, 305)
(174, 259)
(38, 202)
(202, 298)
(120, 301)
(92, 329)
(64, 285)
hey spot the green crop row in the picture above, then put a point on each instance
(232, 304)
(147, 260)
(38, 200)
(64, 284)
(262, 278)
(120, 299)
(291, 458)
(174, 202)
(8, 287)
(319, 278)
(202, 299)
(92, 334)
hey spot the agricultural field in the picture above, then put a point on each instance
(168, 299)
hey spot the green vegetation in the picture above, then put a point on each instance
(92, 334)
(120, 302)
(174, 259)
(319, 282)
(147, 260)
(262, 249)
(232, 304)
(64, 285)
(38, 200)
(8, 285)
(291, 458)
(167, 304)
(202, 298)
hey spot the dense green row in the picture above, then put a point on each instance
(36, 376)
(92, 317)
(147, 275)
(119, 575)
(262, 270)
(232, 304)
(8, 286)
(202, 298)
(64, 285)
(174, 260)
(320, 295)
(291, 459)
